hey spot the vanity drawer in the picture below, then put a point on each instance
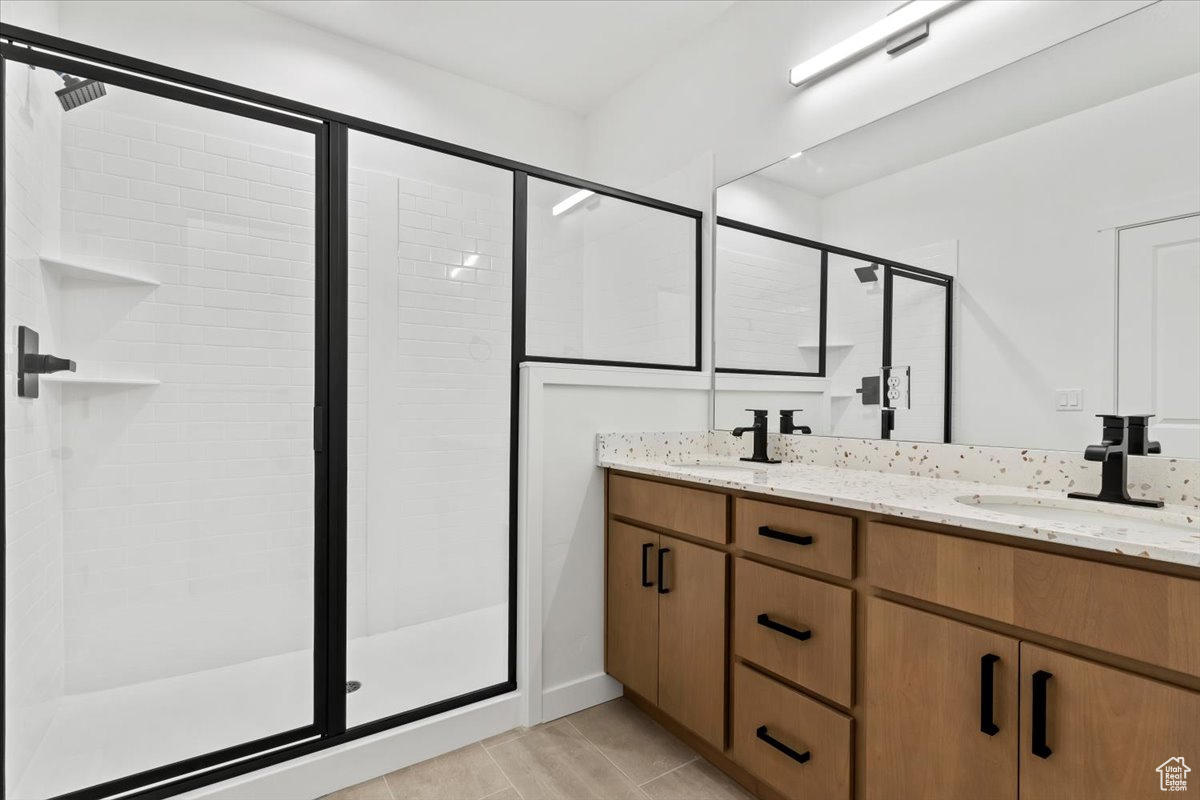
(1131, 612)
(766, 598)
(664, 505)
(811, 539)
(797, 745)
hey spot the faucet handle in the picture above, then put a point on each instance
(790, 410)
(758, 412)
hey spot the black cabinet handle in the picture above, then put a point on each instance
(798, 757)
(793, 538)
(662, 588)
(1040, 679)
(987, 666)
(767, 622)
(645, 567)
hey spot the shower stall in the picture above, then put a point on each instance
(272, 499)
(261, 413)
(875, 334)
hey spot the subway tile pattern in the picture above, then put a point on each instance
(187, 506)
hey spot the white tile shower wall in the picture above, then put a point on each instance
(188, 505)
(429, 396)
(855, 323)
(768, 305)
(32, 429)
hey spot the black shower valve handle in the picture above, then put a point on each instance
(45, 364)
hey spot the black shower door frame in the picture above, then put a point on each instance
(331, 130)
(892, 271)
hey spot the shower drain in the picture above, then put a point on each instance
(353, 686)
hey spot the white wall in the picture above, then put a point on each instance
(1035, 294)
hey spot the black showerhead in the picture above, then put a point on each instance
(78, 91)
(867, 274)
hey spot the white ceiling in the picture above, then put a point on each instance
(572, 55)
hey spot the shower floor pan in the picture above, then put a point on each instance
(99, 736)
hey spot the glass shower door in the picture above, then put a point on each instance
(915, 387)
(159, 476)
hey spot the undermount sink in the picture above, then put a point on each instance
(1084, 512)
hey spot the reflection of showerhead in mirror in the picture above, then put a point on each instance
(77, 91)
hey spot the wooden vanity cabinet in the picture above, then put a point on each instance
(631, 633)
(665, 612)
(941, 706)
(1105, 732)
(987, 668)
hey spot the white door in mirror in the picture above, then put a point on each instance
(1158, 356)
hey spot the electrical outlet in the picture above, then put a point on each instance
(1068, 400)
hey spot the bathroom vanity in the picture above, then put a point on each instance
(827, 632)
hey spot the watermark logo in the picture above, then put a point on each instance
(1172, 775)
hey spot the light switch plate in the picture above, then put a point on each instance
(1068, 400)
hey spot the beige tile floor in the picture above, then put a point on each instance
(609, 752)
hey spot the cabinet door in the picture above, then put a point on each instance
(631, 629)
(932, 687)
(691, 638)
(1098, 733)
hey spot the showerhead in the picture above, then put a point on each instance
(867, 274)
(78, 91)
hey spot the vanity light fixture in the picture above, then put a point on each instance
(902, 19)
(571, 202)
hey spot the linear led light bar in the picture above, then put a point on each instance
(571, 202)
(898, 21)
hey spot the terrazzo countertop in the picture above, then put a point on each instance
(922, 498)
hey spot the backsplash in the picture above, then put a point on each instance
(1171, 480)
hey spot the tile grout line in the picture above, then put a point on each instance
(603, 755)
(695, 757)
(500, 767)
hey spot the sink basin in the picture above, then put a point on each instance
(1085, 512)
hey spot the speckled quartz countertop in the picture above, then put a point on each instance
(928, 499)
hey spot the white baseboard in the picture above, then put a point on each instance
(363, 759)
(567, 698)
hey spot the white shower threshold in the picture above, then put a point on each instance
(99, 736)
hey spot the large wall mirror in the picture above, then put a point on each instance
(992, 266)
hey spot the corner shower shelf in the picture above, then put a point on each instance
(828, 346)
(85, 272)
(86, 380)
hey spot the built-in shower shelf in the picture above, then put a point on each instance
(828, 346)
(71, 379)
(87, 272)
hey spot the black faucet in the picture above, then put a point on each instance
(1139, 431)
(1121, 436)
(760, 437)
(787, 425)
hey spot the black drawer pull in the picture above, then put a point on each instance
(1040, 679)
(799, 758)
(987, 665)
(662, 586)
(645, 567)
(767, 622)
(793, 538)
